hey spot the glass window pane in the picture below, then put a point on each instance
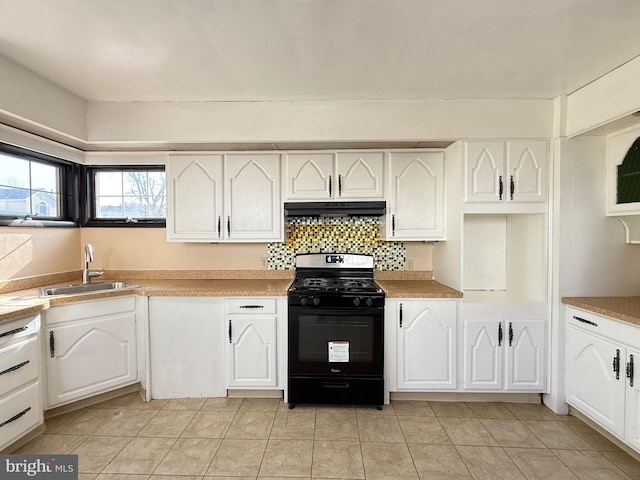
(109, 207)
(135, 183)
(45, 204)
(14, 171)
(15, 201)
(135, 208)
(141, 194)
(108, 183)
(45, 177)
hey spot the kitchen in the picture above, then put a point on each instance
(584, 251)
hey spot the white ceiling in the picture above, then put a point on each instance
(281, 50)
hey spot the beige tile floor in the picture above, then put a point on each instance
(225, 438)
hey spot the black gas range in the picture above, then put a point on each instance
(336, 331)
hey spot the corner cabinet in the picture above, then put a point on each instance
(601, 356)
(252, 356)
(504, 354)
(426, 348)
(505, 172)
(334, 175)
(416, 204)
(224, 198)
(90, 348)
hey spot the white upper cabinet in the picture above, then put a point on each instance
(233, 197)
(416, 206)
(504, 172)
(360, 175)
(334, 176)
(253, 206)
(623, 165)
(194, 207)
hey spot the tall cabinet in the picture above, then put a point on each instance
(505, 265)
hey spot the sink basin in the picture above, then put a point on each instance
(79, 289)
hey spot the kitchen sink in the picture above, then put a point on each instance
(79, 289)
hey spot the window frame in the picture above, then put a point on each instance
(69, 191)
(88, 194)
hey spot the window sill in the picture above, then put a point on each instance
(125, 224)
(34, 222)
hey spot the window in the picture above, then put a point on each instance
(133, 196)
(35, 186)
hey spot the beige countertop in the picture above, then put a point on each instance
(622, 308)
(417, 289)
(25, 302)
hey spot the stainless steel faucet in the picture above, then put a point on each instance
(87, 274)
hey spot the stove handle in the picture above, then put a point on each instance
(335, 385)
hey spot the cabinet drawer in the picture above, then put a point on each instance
(251, 305)
(19, 413)
(16, 329)
(18, 365)
(89, 309)
(617, 330)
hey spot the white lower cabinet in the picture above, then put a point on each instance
(90, 348)
(601, 355)
(426, 344)
(252, 331)
(503, 355)
(20, 387)
(186, 342)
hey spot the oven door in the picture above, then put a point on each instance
(335, 342)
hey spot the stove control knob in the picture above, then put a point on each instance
(303, 301)
(369, 302)
(316, 300)
(356, 301)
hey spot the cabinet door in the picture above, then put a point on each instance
(186, 342)
(309, 176)
(426, 355)
(525, 365)
(592, 386)
(484, 172)
(252, 351)
(417, 200)
(253, 206)
(194, 198)
(632, 380)
(89, 357)
(360, 175)
(526, 179)
(483, 354)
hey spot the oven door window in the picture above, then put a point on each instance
(335, 342)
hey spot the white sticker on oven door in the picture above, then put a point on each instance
(338, 352)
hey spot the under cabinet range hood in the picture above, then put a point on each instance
(334, 209)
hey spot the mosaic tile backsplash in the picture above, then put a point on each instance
(335, 235)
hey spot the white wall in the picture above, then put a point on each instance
(604, 100)
(590, 257)
(29, 99)
(172, 122)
